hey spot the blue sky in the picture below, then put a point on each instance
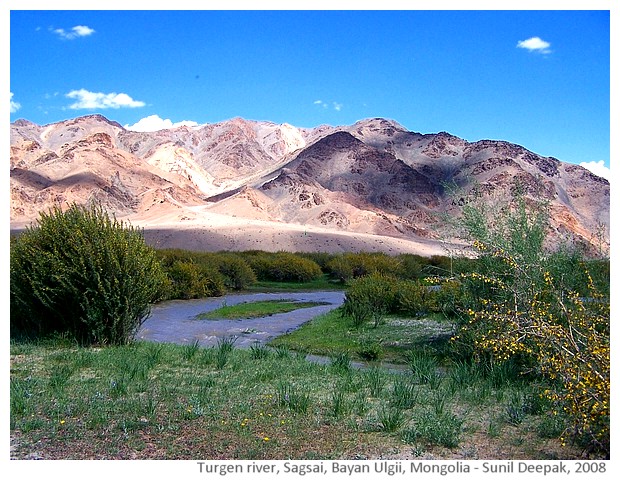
(540, 79)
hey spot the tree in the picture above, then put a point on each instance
(529, 311)
(82, 273)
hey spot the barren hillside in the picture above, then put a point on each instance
(244, 184)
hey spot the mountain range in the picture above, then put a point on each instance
(242, 184)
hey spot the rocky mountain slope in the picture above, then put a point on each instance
(371, 185)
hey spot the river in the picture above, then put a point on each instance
(175, 321)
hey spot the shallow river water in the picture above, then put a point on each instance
(175, 321)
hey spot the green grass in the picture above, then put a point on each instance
(391, 341)
(164, 401)
(323, 335)
(257, 309)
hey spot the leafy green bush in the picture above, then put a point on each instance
(284, 267)
(190, 280)
(354, 265)
(542, 311)
(370, 349)
(236, 271)
(374, 293)
(412, 298)
(340, 268)
(452, 299)
(320, 258)
(82, 273)
(411, 266)
(191, 274)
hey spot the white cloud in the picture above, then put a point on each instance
(535, 44)
(75, 32)
(152, 123)
(336, 106)
(95, 100)
(598, 168)
(14, 105)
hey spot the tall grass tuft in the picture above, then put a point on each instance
(259, 351)
(153, 354)
(516, 408)
(282, 351)
(376, 380)
(424, 368)
(461, 375)
(118, 386)
(289, 396)
(339, 405)
(59, 376)
(390, 418)
(404, 394)
(224, 348)
(341, 362)
(189, 350)
(19, 397)
(436, 429)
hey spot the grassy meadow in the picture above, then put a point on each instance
(164, 401)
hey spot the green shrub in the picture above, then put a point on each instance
(284, 267)
(374, 293)
(411, 266)
(82, 273)
(452, 299)
(355, 265)
(192, 274)
(540, 311)
(412, 298)
(236, 271)
(259, 263)
(340, 268)
(322, 259)
(184, 280)
(189, 280)
(370, 349)
(440, 265)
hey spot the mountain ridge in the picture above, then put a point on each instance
(371, 178)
